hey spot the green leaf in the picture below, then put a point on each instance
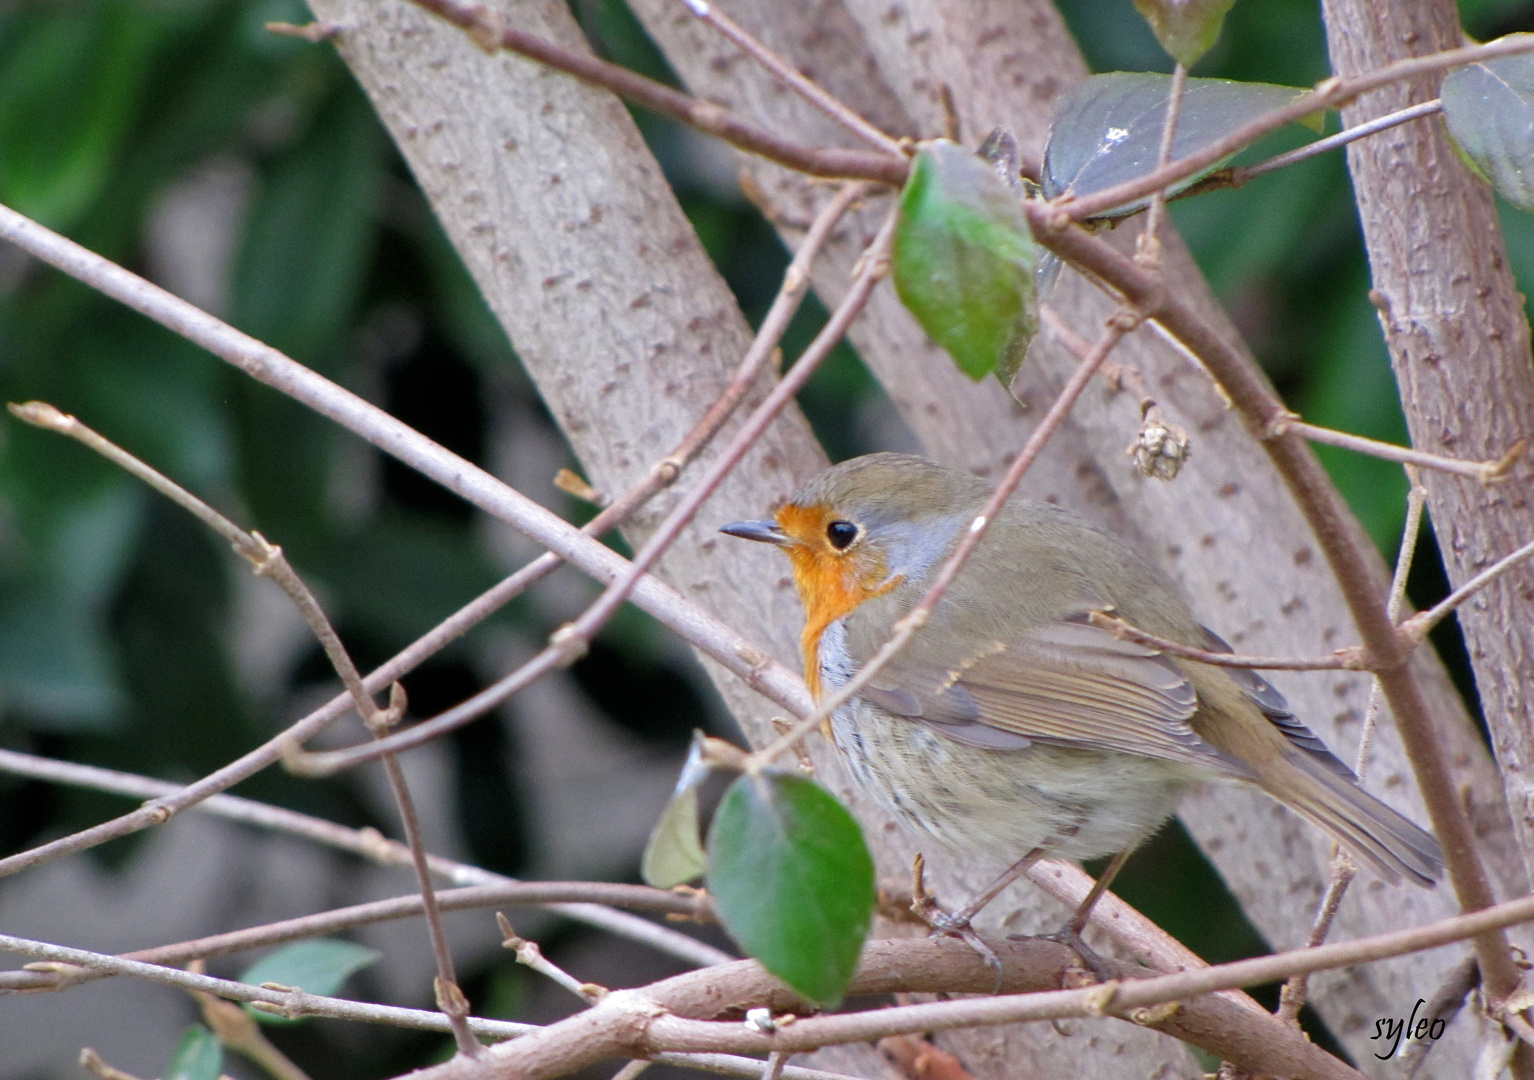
(964, 261)
(198, 1057)
(1186, 28)
(1489, 108)
(792, 880)
(319, 967)
(1107, 130)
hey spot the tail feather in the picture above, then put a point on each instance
(1363, 825)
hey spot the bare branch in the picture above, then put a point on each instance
(269, 561)
(794, 79)
(582, 901)
(1417, 627)
(267, 365)
(91, 1062)
(1484, 471)
(1238, 176)
(1349, 659)
(490, 31)
(1330, 93)
(624, 1023)
(1149, 253)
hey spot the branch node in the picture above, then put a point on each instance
(313, 33)
(1493, 471)
(1151, 1015)
(1278, 426)
(1100, 998)
(488, 30)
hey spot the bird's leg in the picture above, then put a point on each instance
(959, 920)
(925, 905)
(1069, 935)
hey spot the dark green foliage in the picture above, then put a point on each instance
(964, 261)
(1107, 129)
(792, 880)
(1489, 108)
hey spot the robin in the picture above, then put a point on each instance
(1011, 725)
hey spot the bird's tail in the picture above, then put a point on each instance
(1362, 824)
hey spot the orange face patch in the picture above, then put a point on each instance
(831, 583)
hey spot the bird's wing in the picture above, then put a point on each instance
(1066, 683)
(1275, 708)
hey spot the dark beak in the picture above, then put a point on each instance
(765, 531)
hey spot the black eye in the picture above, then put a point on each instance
(841, 533)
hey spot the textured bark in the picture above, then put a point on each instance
(1459, 343)
(1226, 529)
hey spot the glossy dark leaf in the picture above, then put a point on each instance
(321, 967)
(1107, 130)
(198, 1056)
(792, 880)
(1186, 28)
(1489, 108)
(964, 260)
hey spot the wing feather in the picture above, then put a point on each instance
(1067, 684)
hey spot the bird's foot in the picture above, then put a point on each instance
(1069, 935)
(943, 923)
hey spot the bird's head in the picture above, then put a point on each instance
(861, 528)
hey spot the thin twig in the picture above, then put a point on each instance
(794, 79)
(286, 1002)
(489, 29)
(265, 364)
(237, 1030)
(632, 1070)
(1418, 626)
(1118, 326)
(1444, 1005)
(571, 640)
(269, 561)
(1238, 176)
(91, 1062)
(1330, 93)
(530, 955)
(1348, 659)
(586, 902)
(1484, 471)
(1148, 253)
(774, 1067)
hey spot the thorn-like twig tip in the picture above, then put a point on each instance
(41, 414)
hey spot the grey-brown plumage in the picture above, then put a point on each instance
(1009, 722)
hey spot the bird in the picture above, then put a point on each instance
(1011, 724)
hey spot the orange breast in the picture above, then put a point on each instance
(831, 583)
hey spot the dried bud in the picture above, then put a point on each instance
(1160, 450)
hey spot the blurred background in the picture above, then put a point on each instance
(246, 172)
